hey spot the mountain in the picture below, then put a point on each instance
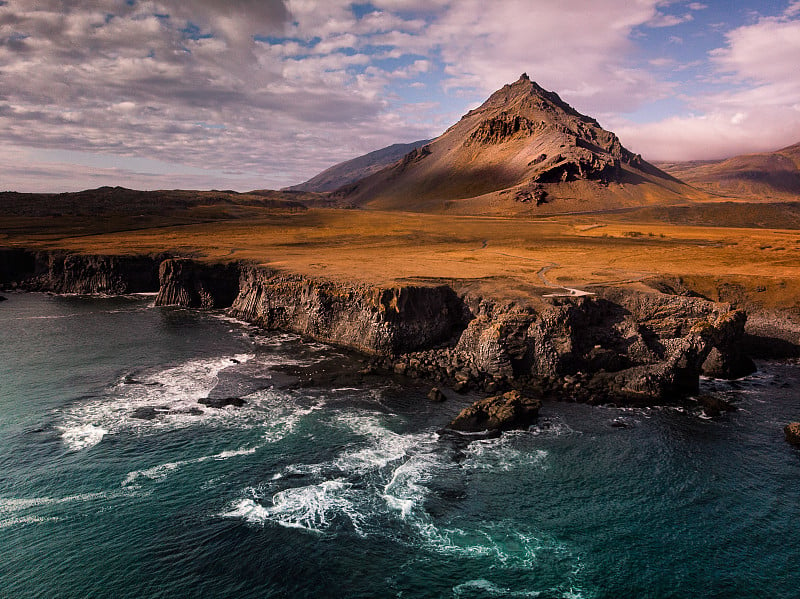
(523, 151)
(350, 171)
(768, 175)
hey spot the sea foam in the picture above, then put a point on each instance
(176, 388)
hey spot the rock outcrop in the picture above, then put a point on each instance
(375, 320)
(504, 412)
(792, 433)
(221, 402)
(628, 347)
(436, 395)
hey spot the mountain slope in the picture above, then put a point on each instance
(767, 175)
(523, 150)
(350, 171)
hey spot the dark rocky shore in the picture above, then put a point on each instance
(619, 346)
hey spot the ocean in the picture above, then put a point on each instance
(116, 482)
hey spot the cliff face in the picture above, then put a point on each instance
(61, 272)
(630, 347)
(369, 319)
(194, 284)
(618, 346)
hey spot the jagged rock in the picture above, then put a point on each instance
(792, 433)
(221, 402)
(461, 387)
(726, 360)
(508, 411)
(435, 395)
(732, 365)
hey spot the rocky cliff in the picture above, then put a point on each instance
(620, 345)
(628, 347)
(62, 272)
(370, 319)
(193, 284)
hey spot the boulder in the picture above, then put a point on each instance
(2, 299)
(792, 433)
(714, 406)
(221, 402)
(499, 413)
(435, 395)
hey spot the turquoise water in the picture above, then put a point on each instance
(342, 490)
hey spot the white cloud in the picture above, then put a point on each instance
(718, 134)
(563, 46)
(665, 20)
(187, 83)
(756, 112)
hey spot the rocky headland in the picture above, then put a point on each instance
(616, 346)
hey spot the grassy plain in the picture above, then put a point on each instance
(507, 258)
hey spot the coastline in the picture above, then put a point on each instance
(620, 345)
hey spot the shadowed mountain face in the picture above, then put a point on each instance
(523, 150)
(353, 170)
(769, 175)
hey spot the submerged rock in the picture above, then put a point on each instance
(714, 406)
(149, 412)
(153, 412)
(221, 402)
(792, 433)
(435, 395)
(504, 412)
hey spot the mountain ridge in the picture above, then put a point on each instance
(755, 176)
(350, 171)
(523, 150)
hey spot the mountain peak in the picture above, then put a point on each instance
(523, 144)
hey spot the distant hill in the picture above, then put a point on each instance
(763, 176)
(120, 201)
(351, 171)
(523, 151)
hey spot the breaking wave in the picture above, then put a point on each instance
(380, 487)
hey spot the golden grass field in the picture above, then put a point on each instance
(504, 258)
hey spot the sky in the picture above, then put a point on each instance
(262, 94)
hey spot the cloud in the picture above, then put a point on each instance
(665, 20)
(718, 134)
(757, 110)
(188, 84)
(563, 46)
(278, 90)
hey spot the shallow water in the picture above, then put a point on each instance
(347, 491)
